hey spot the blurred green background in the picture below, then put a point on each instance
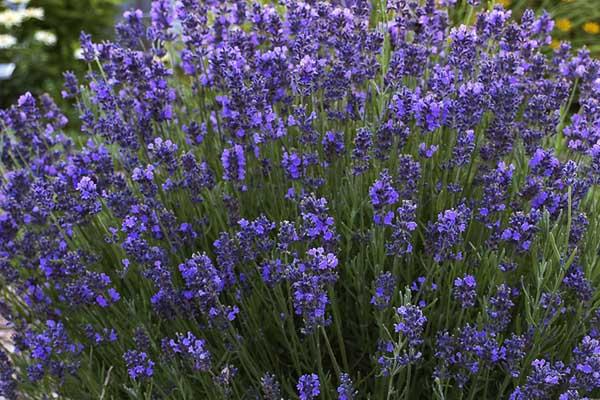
(40, 38)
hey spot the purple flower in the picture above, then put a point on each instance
(139, 365)
(8, 385)
(333, 145)
(131, 30)
(521, 230)
(87, 188)
(465, 291)
(363, 140)
(465, 144)
(292, 163)
(445, 235)
(270, 387)
(161, 15)
(430, 114)
(552, 304)
(203, 285)
(385, 286)
(411, 324)
(495, 191)
(465, 354)
(500, 307)
(234, 164)
(383, 194)
(346, 389)
(71, 86)
(189, 347)
(51, 351)
(308, 387)
(427, 151)
(408, 176)
(577, 283)
(542, 382)
(310, 278)
(317, 223)
(164, 152)
(403, 224)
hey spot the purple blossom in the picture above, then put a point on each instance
(495, 192)
(189, 347)
(543, 380)
(585, 365)
(310, 278)
(403, 224)
(578, 284)
(463, 355)
(308, 387)
(234, 164)
(139, 365)
(465, 291)
(270, 387)
(411, 324)
(552, 304)
(408, 176)
(8, 385)
(445, 235)
(363, 140)
(346, 389)
(427, 151)
(383, 194)
(131, 30)
(385, 286)
(203, 284)
(333, 145)
(52, 352)
(522, 229)
(465, 144)
(292, 163)
(430, 113)
(317, 223)
(500, 307)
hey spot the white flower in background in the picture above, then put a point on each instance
(7, 41)
(11, 18)
(46, 37)
(34, 12)
(78, 54)
(6, 71)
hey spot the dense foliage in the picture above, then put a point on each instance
(41, 38)
(308, 200)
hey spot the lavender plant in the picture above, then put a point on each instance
(314, 200)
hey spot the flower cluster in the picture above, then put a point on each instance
(308, 199)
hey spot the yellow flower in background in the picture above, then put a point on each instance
(592, 28)
(505, 3)
(555, 44)
(564, 24)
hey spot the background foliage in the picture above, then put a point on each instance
(39, 67)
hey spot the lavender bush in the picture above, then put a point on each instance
(343, 200)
